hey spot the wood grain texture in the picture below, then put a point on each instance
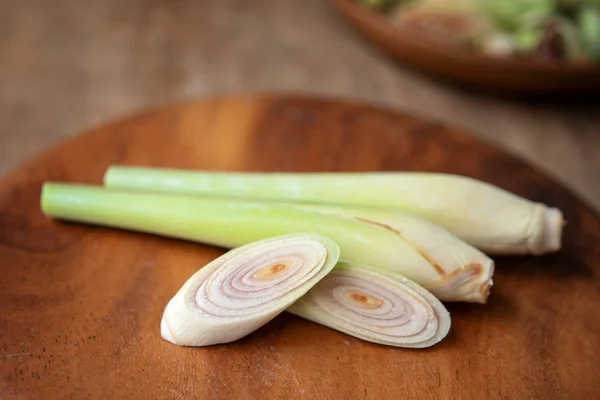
(80, 306)
(68, 65)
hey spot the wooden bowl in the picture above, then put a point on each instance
(467, 68)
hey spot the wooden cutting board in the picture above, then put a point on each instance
(80, 306)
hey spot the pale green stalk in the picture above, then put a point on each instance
(245, 288)
(489, 218)
(231, 223)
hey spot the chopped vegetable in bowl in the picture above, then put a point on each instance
(551, 30)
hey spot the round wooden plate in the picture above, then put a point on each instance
(80, 306)
(469, 69)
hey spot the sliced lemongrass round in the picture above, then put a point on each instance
(375, 306)
(245, 288)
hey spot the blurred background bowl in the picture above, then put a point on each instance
(514, 76)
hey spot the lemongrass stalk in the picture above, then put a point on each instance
(234, 222)
(377, 306)
(245, 288)
(490, 218)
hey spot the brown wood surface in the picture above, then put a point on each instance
(80, 306)
(517, 76)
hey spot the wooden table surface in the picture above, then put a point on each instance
(68, 65)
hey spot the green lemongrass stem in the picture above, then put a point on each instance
(231, 223)
(491, 219)
(377, 306)
(245, 288)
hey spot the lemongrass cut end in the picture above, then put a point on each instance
(550, 239)
(471, 283)
(245, 288)
(376, 306)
